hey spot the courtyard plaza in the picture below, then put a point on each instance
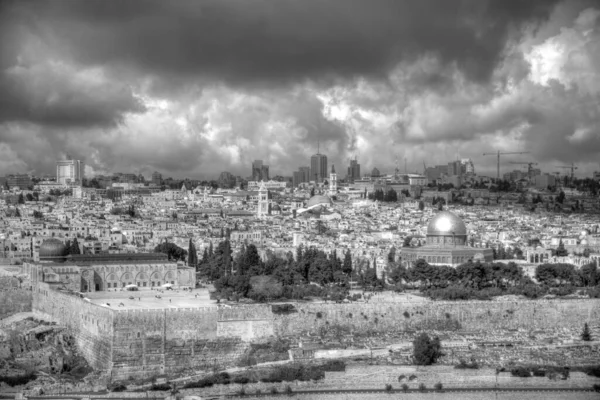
(146, 298)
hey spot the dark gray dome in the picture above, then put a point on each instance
(52, 248)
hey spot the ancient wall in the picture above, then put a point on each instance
(465, 316)
(153, 342)
(14, 300)
(91, 324)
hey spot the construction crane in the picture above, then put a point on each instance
(572, 167)
(529, 167)
(498, 154)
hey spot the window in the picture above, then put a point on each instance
(144, 283)
(108, 285)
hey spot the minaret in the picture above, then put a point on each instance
(332, 182)
(263, 200)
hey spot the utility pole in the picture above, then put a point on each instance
(498, 154)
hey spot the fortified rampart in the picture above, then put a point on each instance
(91, 324)
(152, 342)
(143, 343)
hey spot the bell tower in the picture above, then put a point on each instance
(263, 201)
(332, 182)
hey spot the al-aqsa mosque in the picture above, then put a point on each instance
(446, 243)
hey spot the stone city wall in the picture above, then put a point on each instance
(13, 301)
(91, 324)
(153, 342)
(466, 316)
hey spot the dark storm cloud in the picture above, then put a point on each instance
(253, 42)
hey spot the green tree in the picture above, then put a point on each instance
(560, 250)
(426, 350)
(347, 264)
(392, 255)
(586, 335)
(74, 247)
(173, 251)
(17, 213)
(421, 205)
(192, 255)
(21, 199)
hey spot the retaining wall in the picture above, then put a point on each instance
(91, 324)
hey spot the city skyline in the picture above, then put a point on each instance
(383, 80)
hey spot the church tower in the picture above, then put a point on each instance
(263, 201)
(332, 182)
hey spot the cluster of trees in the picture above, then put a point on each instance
(486, 280)
(173, 251)
(389, 196)
(311, 273)
(502, 253)
(469, 275)
(560, 275)
(73, 247)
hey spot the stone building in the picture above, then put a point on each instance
(446, 243)
(92, 273)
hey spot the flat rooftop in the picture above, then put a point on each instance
(146, 299)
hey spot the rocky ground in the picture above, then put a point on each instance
(38, 355)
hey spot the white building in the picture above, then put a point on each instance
(69, 171)
(269, 185)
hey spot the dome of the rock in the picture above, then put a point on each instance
(446, 223)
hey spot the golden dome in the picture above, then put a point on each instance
(446, 223)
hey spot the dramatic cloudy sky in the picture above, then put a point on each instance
(193, 88)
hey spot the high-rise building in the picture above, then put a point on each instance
(260, 171)
(353, 170)
(69, 172)
(455, 168)
(21, 181)
(301, 176)
(468, 166)
(156, 178)
(318, 167)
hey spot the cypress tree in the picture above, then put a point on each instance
(347, 265)
(586, 335)
(74, 247)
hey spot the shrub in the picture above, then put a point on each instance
(258, 391)
(119, 387)
(596, 387)
(521, 372)
(404, 387)
(242, 391)
(412, 377)
(334, 365)
(401, 377)
(288, 389)
(247, 360)
(319, 314)
(406, 314)
(438, 386)
(241, 379)
(388, 387)
(18, 380)
(422, 387)
(160, 386)
(462, 364)
(283, 309)
(273, 390)
(426, 351)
